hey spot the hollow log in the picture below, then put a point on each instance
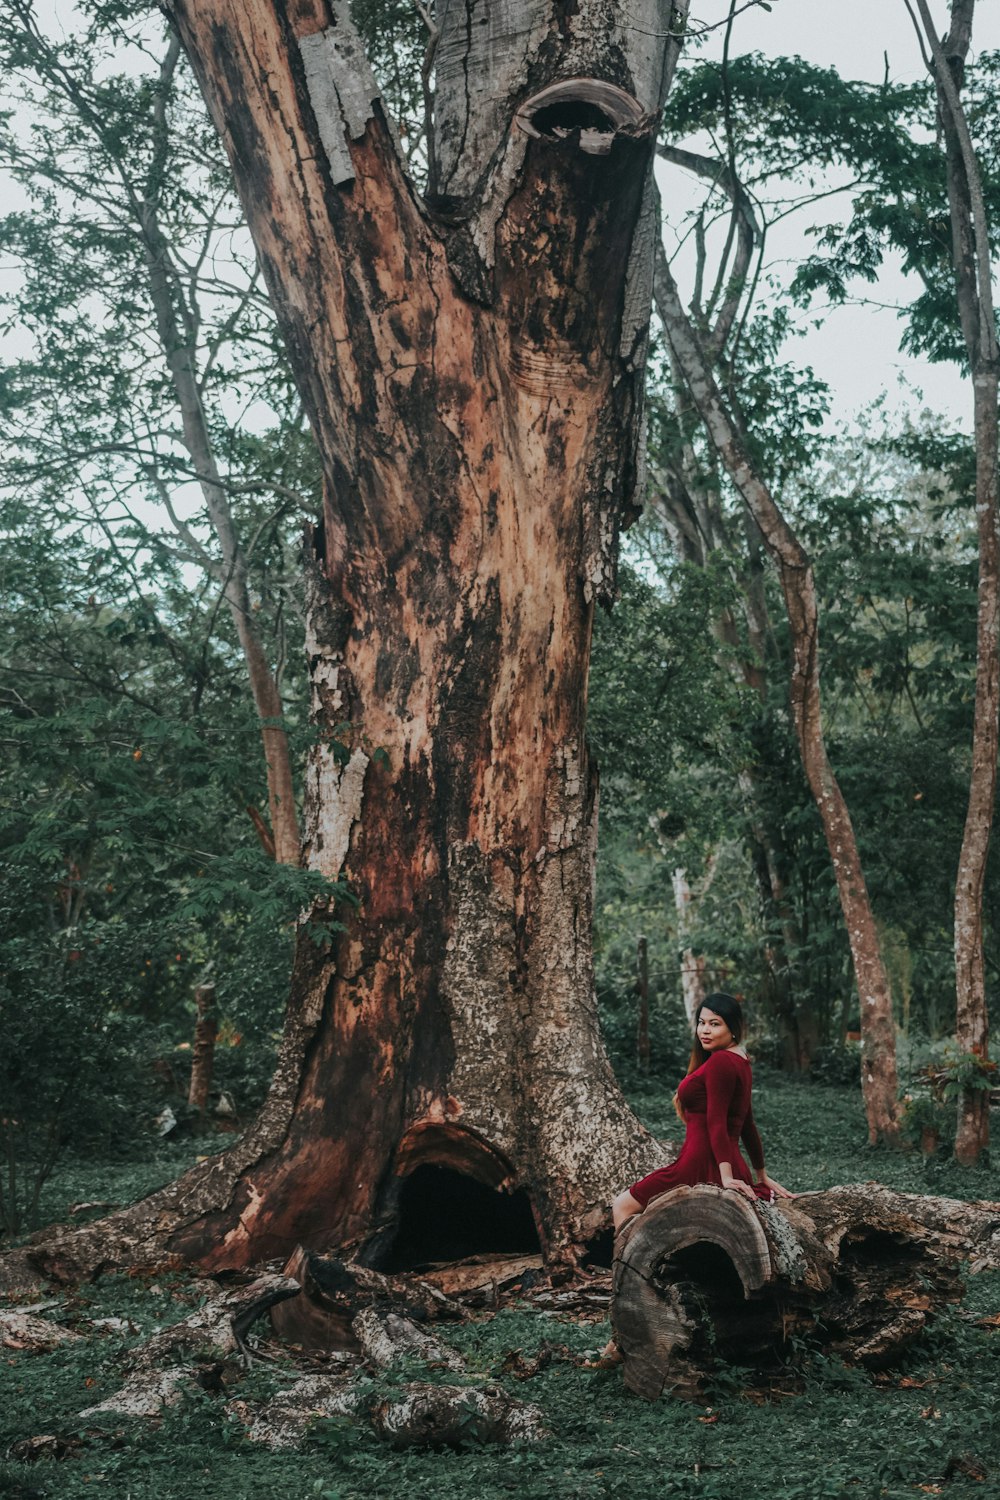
(705, 1277)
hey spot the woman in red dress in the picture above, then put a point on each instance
(714, 1103)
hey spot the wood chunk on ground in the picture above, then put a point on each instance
(450, 1416)
(334, 1291)
(47, 1445)
(281, 1422)
(24, 1331)
(144, 1394)
(220, 1325)
(480, 1272)
(386, 1338)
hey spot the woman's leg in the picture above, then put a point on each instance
(623, 1207)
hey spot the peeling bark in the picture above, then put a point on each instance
(472, 368)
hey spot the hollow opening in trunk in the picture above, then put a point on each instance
(701, 1282)
(566, 115)
(600, 1251)
(878, 1248)
(588, 108)
(444, 1215)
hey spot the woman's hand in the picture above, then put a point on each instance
(739, 1186)
(776, 1188)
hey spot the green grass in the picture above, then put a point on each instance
(843, 1436)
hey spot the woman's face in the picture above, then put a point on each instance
(713, 1033)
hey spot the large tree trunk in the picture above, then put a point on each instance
(474, 379)
(878, 1039)
(971, 257)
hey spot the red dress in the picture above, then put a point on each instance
(715, 1099)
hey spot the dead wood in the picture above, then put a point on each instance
(447, 1416)
(705, 1277)
(481, 1273)
(334, 1292)
(24, 1331)
(281, 1421)
(47, 1445)
(388, 1338)
(219, 1326)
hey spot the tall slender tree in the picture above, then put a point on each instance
(131, 214)
(971, 257)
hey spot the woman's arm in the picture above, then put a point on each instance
(750, 1136)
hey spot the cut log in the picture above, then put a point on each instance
(705, 1277)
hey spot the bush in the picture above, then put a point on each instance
(838, 1062)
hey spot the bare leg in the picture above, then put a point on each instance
(623, 1207)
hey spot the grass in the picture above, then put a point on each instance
(844, 1436)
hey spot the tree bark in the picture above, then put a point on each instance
(971, 258)
(473, 373)
(878, 1041)
(206, 1030)
(642, 989)
(692, 964)
(691, 515)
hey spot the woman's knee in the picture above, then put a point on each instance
(623, 1207)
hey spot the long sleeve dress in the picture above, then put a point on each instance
(718, 1114)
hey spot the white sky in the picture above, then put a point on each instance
(857, 350)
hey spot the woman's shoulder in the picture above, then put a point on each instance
(727, 1057)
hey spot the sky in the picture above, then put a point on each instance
(857, 349)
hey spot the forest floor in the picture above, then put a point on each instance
(834, 1433)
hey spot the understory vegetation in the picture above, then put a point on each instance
(829, 1433)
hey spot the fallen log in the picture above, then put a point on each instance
(705, 1277)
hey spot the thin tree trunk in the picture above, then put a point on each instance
(642, 988)
(692, 964)
(206, 1030)
(878, 1055)
(474, 382)
(180, 355)
(971, 258)
(692, 517)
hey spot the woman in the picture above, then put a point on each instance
(714, 1103)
